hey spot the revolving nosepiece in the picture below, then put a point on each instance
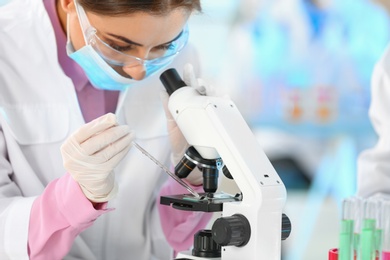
(192, 159)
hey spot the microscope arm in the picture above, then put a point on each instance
(215, 127)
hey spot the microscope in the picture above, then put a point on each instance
(252, 225)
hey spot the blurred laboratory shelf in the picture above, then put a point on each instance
(310, 240)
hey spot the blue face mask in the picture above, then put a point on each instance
(99, 73)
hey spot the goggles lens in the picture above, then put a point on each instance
(117, 58)
(114, 57)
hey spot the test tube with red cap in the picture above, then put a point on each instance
(386, 230)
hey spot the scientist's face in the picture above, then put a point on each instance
(138, 34)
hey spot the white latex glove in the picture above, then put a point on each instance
(91, 154)
(178, 142)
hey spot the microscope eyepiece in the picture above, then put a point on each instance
(171, 80)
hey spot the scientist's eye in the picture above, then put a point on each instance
(164, 47)
(120, 48)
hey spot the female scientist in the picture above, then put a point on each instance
(70, 74)
(374, 163)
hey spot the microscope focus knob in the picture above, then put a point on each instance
(232, 231)
(286, 227)
(205, 246)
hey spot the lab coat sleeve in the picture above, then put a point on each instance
(374, 163)
(180, 226)
(14, 211)
(57, 216)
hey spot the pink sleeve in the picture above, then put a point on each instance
(179, 226)
(57, 217)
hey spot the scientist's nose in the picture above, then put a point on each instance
(136, 72)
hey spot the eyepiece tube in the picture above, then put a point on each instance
(171, 80)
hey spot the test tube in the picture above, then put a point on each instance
(358, 216)
(367, 235)
(386, 230)
(379, 227)
(345, 251)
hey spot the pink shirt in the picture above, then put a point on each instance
(53, 222)
(93, 102)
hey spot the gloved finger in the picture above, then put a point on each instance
(104, 138)
(114, 152)
(171, 123)
(207, 89)
(178, 145)
(189, 76)
(102, 191)
(164, 100)
(191, 80)
(95, 126)
(203, 88)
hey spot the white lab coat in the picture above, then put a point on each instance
(374, 163)
(39, 110)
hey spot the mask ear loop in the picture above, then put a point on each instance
(86, 27)
(69, 45)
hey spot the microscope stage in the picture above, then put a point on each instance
(204, 203)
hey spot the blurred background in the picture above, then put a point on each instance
(299, 72)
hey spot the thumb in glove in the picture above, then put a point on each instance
(91, 154)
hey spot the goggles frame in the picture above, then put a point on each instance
(121, 59)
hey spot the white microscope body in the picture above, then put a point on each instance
(215, 127)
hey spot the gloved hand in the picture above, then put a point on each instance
(178, 142)
(91, 154)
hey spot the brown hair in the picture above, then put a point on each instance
(123, 7)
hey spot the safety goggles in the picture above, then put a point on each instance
(163, 55)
